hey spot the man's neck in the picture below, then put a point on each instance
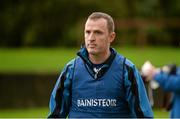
(99, 59)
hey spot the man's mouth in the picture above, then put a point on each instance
(91, 45)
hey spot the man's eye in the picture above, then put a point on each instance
(98, 32)
(87, 32)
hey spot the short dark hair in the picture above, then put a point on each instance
(108, 18)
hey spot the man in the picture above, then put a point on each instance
(168, 78)
(99, 83)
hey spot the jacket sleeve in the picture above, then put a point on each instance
(136, 93)
(60, 100)
(168, 82)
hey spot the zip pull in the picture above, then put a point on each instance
(95, 76)
(96, 72)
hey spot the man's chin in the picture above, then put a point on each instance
(92, 52)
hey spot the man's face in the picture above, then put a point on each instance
(97, 36)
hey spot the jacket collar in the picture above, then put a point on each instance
(83, 54)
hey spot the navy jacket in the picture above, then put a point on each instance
(114, 90)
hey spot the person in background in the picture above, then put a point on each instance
(168, 77)
(99, 82)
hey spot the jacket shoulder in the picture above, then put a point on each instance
(71, 62)
(129, 63)
(69, 65)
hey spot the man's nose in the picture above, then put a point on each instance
(91, 37)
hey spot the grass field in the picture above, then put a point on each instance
(53, 59)
(43, 112)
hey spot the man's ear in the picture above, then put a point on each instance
(112, 36)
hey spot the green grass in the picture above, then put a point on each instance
(24, 113)
(158, 56)
(53, 59)
(34, 60)
(43, 112)
(160, 113)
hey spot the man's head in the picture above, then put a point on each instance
(108, 18)
(99, 33)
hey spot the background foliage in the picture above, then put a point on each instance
(48, 23)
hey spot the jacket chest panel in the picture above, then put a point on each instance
(84, 85)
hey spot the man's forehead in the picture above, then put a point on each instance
(96, 22)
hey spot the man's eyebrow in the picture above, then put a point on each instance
(98, 30)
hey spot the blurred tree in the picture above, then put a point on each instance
(60, 22)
